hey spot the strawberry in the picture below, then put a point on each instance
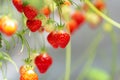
(29, 75)
(22, 69)
(46, 11)
(0, 24)
(34, 25)
(71, 26)
(85, 7)
(8, 26)
(52, 39)
(18, 5)
(49, 26)
(63, 39)
(43, 62)
(30, 12)
(78, 17)
(99, 4)
(93, 19)
(58, 39)
(67, 2)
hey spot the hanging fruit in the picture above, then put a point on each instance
(8, 26)
(29, 75)
(34, 25)
(18, 5)
(43, 62)
(59, 18)
(58, 39)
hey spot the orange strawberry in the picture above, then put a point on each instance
(29, 75)
(72, 26)
(100, 4)
(46, 11)
(22, 69)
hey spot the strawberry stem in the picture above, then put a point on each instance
(68, 61)
(5, 56)
(60, 14)
(59, 3)
(3, 73)
(28, 46)
(91, 57)
(43, 49)
(114, 54)
(24, 41)
(101, 14)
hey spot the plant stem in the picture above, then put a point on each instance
(91, 57)
(68, 61)
(10, 60)
(116, 24)
(114, 54)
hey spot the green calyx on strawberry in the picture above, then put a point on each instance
(49, 25)
(18, 5)
(43, 62)
(34, 25)
(59, 38)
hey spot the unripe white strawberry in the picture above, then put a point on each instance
(49, 26)
(107, 27)
(93, 18)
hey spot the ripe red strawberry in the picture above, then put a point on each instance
(78, 17)
(52, 39)
(18, 5)
(30, 12)
(43, 62)
(34, 25)
(29, 75)
(63, 39)
(58, 39)
(72, 26)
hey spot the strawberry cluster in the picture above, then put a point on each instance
(42, 61)
(92, 18)
(33, 23)
(38, 19)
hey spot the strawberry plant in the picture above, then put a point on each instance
(35, 26)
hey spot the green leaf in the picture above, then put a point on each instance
(7, 44)
(38, 4)
(1, 56)
(8, 58)
(97, 74)
(0, 64)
